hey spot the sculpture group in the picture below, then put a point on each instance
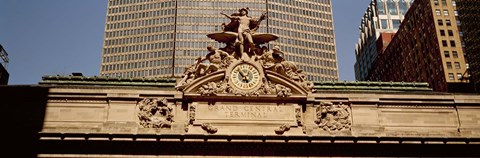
(243, 43)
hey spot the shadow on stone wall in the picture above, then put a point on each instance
(22, 112)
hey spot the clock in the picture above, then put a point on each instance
(245, 77)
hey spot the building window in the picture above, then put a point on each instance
(454, 3)
(448, 22)
(450, 33)
(438, 12)
(435, 2)
(447, 54)
(440, 22)
(403, 7)
(455, 54)
(384, 24)
(449, 65)
(442, 32)
(459, 76)
(445, 12)
(444, 2)
(455, 12)
(444, 43)
(450, 76)
(457, 65)
(396, 24)
(392, 7)
(452, 43)
(381, 8)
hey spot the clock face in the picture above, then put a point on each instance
(245, 76)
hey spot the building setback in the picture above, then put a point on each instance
(469, 13)
(3, 66)
(381, 16)
(160, 38)
(426, 48)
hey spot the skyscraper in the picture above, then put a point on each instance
(160, 38)
(3, 66)
(381, 16)
(426, 48)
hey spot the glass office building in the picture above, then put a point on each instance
(160, 38)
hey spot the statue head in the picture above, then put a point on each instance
(243, 11)
(210, 48)
(276, 48)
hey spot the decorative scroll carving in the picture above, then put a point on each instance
(333, 117)
(282, 129)
(298, 115)
(191, 114)
(155, 113)
(209, 128)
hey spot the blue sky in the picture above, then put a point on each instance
(49, 37)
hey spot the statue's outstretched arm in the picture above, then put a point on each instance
(264, 15)
(228, 16)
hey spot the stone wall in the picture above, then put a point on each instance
(81, 110)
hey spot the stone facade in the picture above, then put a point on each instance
(338, 114)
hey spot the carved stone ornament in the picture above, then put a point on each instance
(333, 117)
(191, 113)
(155, 113)
(209, 128)
(282, 129)
(298, 115)
(245, 46)
(191, 116)
(266, 87)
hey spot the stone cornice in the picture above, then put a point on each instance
(107, 81)
(371, 86)
(260, 138)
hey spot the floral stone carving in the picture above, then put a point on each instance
(333, 117)
(155, 113)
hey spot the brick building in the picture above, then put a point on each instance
(380, 17)
(426, 48)
(469, 13)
